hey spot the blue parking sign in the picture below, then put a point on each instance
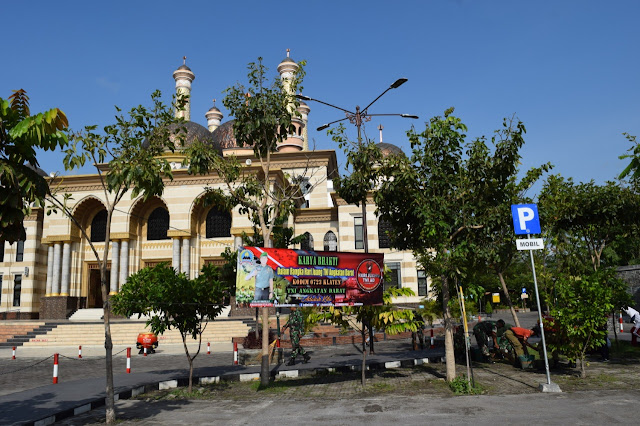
(525, 219)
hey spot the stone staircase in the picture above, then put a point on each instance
(84, 315)
(16, 333)
(125, 332)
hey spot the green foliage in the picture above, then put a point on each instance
(462, 386)
(488, 308)
(21, 134)
(580, 316)
(173, 301)
(633, 168)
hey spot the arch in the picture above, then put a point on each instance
(140, 210)
(330, 241)
(307, 242)
(158, 224)
(86, 208)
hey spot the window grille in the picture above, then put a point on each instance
(359, 232)
(422, 284)
(99, 227)
(158, 224)
(396, 277)
(17, 289)
(383, 234)
(20, 251)
(330, 241)
(307, 243)
(218, 223)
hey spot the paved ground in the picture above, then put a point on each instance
(26, 392)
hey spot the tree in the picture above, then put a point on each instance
(21, 134)
(172, 300)
(633, 168)
(581, 312)
(264, 118)
(495, 177)
(130, 169)
(385, 317)
(434, 215)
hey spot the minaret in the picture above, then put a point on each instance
(183, 77)
(304, 110)
(214, 117)
(287, 69)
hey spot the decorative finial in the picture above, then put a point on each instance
(214, 102)
(380, 127)
(288, 50)
(184, 60)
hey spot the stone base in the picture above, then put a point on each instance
(59, 307)
(18, 315)
(546, 387)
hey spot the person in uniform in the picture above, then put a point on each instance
(264, 279)
(295, 323)
(483, 330)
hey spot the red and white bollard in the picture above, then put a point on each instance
(128, 360)
(432, 341)
(145, 351)
(235, 353)
(79, 351)
(55, 369)
(208, 348)
(13, 356)
(621, 324)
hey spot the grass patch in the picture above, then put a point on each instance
(623, 349)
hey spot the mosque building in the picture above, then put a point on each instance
(54, 272)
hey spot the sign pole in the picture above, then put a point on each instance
(544, 343)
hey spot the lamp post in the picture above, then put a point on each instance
(358, 118)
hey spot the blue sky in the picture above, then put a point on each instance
(568, 69)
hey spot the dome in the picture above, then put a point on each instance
(184, 67)
(194, 131)
(223, 136)
(389, 149)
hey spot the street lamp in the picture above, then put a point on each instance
(358, 118)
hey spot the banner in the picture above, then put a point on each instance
(284, 277)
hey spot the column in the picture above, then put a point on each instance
(238, 242)
(175, 260)
(124, 263)
(115, 262)
(55, 284)
(49, 270)
(66, 269)
(186, 255)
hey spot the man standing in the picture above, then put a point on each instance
(264, 279)
(295, 323)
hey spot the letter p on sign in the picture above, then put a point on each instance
(525, 219)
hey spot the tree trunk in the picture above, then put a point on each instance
(448, 332)
(506, 296)
(264, 371)
(108, 346)
(186, 351)
(363, 378)
(371, 351)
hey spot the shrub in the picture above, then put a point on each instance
(251, 342)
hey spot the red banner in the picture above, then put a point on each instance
(284, 277)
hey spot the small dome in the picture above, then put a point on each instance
(194, 131)
(184, 67)
(223, 137)
(389, 149)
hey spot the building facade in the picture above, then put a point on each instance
(55, 272)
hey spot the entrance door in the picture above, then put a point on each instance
(94, 298)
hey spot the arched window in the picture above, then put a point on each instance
(158, 224)
(218, 223)
(383, 234)
(307, 243)
(330, 241)
(99, 227)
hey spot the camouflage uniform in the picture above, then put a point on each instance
(296, 327)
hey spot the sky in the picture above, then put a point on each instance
(568, 69)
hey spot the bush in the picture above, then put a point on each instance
(461, 386)
(488, 308)
(250, 341)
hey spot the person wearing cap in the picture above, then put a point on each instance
(264, 279)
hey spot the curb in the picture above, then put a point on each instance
(276, 373)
